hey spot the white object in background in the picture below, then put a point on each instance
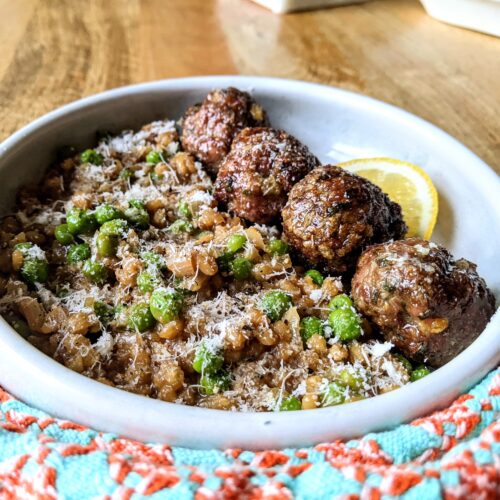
(479, 15)
(283, 6)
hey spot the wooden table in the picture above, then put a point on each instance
(55, 51)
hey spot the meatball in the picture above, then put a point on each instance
(332, 215)
(255, 177)
(425, 302)
(209, 128)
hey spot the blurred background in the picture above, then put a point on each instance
(56, 51)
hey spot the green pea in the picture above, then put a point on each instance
(63, 234)
(277, 247)
(35, 268)
(80, 221)
(120, 308)
(275, 303)
(316, 276)
(147, 282)
(137, 203)
(106, 245)
(126, 174)
(419, 372)
(345, 324)
(213, 383)
(341, 301)
(181, 226)
(241, 268)
(165, 305)
(140, 317)
(137, 214)
(106, 212)
(207, 361)
(20, 326)
(224, 261)
(406, 364)
(291, 403)
(22, 247)
(95, 271)
(310, 326)
(153, 259)
(183, 210)
(116, 227)
(91, 156)
(35, 271)
(104, 312)
(353, 380)
(236, 242)
(333, 395)
(154, 156)
(78, 253)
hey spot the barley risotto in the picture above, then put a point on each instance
(122, 266)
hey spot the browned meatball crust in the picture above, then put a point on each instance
(332, 215)
(255, 177)
(428, 304)
(208, 129)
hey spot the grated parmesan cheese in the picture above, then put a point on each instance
(379, 349)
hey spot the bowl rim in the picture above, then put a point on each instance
(38, 366)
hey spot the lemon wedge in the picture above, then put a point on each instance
(405, 184)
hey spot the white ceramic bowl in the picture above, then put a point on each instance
(336, 125)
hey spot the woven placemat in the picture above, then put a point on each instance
(452, 454)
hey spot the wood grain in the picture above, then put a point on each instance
(55, 51)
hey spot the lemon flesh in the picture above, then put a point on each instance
(405, 184)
